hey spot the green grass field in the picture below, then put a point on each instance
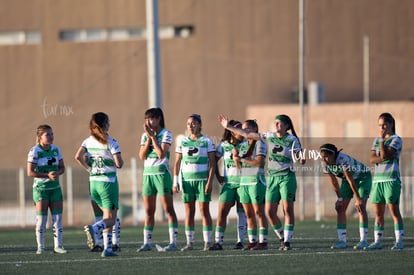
(310, 254)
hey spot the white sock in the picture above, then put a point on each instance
(189, 234)
(107, 240)
(116, 232)
(41, 221)
(173, 232)
(147, 235)
(57, 229)
(241, 225)
(207, 236)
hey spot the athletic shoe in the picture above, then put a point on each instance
(60, 250)
(97, 248)
(116, 248)
(361, 245)
(188, 247)
(259, 246)
(90, 236)
(285, 246)
(170, 247)
(339, 245)
(40, 250)
(206, 246)
(238, 246)
(398, 246)
(250, 246)
(145, 247)
(216, 246)
(374, 246)
(108, 253)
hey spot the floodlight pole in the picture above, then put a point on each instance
(301, 100)
(366, 82)
(153, 55)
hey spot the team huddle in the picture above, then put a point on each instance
(254, 169)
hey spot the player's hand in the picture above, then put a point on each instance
(223, 121)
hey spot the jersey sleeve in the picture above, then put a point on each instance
(261, 148)
(219, 151)
(143, 139)
(211, 146)
(167, 137)
(114, 147)
(32, 156)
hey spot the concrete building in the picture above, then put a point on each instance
(63, 60)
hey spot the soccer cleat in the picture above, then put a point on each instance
(206, 246)
(250, 246)
(116, 248)
(260, 246)
(339, 245)
(108, 253)
(188, 247)
(397, 246)
(216, 246)
(90, 236)
(60, 250)
(40, 250)
(239, 245)
(374, 246)
(361, 245)
(97, 248)
(285, 246)
(170, 247)
(144, 247)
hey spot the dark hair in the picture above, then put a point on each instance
(227, 135)
(97, 124)
(387, 117)
(155, 113)
(196, 117)
(252, 124)
(40, 130)
(330, 149)
(286, 120)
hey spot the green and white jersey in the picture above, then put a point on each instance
(46, 161)
(194, 162)
(343, 163)
(231, 173)
(251, 175)
(281, 152)
(388, 170)
(152, 164)
(102, 160)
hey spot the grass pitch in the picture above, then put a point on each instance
(310, 254)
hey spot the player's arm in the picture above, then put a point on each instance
(177, 167)
(212, 169)
(80, 158)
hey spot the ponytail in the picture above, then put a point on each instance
(98, 125)
(286, 120)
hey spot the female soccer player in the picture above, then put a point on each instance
(252, 191)
(105, 159)
(194, 167)
(155, 152)
(230, 181)
(385, 154)
(283, 148)
(45, 165)
(356, 181)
